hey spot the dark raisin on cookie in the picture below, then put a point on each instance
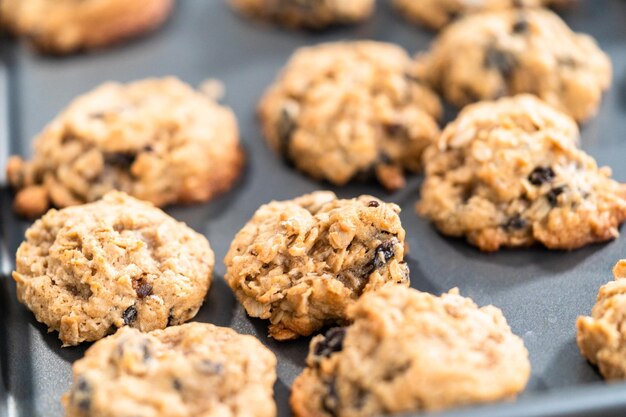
(373, 203)
(502, 61)
(554, 194)
(395, 130)
(330, 403)
(285, 128)
(521, 25)
(515, 223)
(541, 175)
(331, 343)
(144, 290)
(130, 315)
(81, 394)
(207, 366)
(383, 253)
(122, 160)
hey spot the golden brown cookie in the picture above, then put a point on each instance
(411, 351)
(510, 173)
(489, 55)
(191, 370)
(601, 337)
(86, 270)
(156, 139)
(309, 14)
(301, 263)
(436, 14)
(65, 26)
(350, 110)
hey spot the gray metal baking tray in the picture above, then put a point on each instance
(541, 292)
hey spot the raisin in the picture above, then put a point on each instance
(331, 343)
(122, 160)
(330, 403)
(541, 175)
(553, 195)
(515, 223)
(502, 61)
(209, 367)
(130, 315)
(521, 25)
(383, 253)
(395, 129)
(373, 203)
(284, 129)
(143, 290)
(170, 317)
(177, 384)
(81, 394)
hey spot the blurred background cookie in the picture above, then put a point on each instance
(65, 26)
(489, 55)
(155, 139)
(350, 111)
(309, 14)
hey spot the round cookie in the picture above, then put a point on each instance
(309, 14)
(156, 139)
(490, 55)
(301, 263)
(65, 26)
(87, 270)
(601, 337)
(509, 173)
(403, 343)
(350, 110)
(192, 370)
(436, 14)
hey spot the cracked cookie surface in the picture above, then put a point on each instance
(309, 14)
(65, 26)
(157, 140)
(510, 173)
(436, 14)
(350, 110)
(301, 263)
(490, 55)
(191, 370)
(401, 344)
(601, 336)
(86, 270)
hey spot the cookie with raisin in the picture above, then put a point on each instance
(401, 344)
(486, 56)
(301, 263)
(510, 173)
(350, 111)
(87, 270)
(191, 370)
(155, 139)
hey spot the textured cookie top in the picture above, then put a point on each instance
(156, 139)
(300, 263)
(490, 55)
(509, 173)
(437, 13)
(349, 110)
(191, 370)
(601, 337)
(310, 14)
(401, 345)
(63, 26)
(89, 269)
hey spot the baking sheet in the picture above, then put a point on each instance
(541, 292)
